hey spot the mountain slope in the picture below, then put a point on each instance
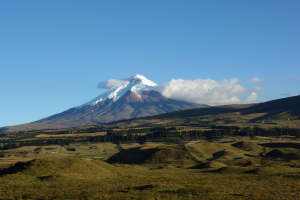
(126, 107)
(132, 97)
(279, 109)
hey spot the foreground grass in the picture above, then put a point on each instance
(105, 181)
(229, 170)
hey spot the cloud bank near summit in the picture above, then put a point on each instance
(202, 91)
(208, 91)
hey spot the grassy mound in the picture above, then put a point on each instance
(225, 155)
(39, 150)
(250, 163)
(136, 155)
(51, 166)
(280, 153)
(247, 146)
(204, 151)
(176, 154)
(212, 164)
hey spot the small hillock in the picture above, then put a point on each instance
(278, 153)
(212, 164)
(225, 155)
(176, 154)
(136, 155)
(54, 166)
(247, 146)
(250, 163)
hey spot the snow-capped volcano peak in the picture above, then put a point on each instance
(136, 84)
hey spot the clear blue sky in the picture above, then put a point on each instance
(53, 53)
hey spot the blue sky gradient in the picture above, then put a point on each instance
(53, 53)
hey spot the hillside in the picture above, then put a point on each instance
(280, 112)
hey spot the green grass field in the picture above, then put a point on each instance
(223, 169)
(83, 179)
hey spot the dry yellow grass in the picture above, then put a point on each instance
(70, 135)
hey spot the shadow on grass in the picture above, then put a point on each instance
(253, 156)
(144, 187)
(132, 156)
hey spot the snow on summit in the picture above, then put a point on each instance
(118, 87)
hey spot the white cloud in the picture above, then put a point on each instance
(208, 91)
(285, 94)
(257, 89)
(251, 97)
(255, 80)
(110, 83)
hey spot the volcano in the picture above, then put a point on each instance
(134, 97)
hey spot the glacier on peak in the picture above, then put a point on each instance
(137, 84)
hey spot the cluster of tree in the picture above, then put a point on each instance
(204, 124)
(225, 127)
(272, 132)
(137, 131)
(39, 142)
(20, 134)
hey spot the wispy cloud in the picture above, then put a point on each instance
(285, 94)
(48, 86)
(288, 80)
(255, 80)
(110, 83)
(293, 79)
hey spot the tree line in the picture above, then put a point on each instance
(157, 134)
